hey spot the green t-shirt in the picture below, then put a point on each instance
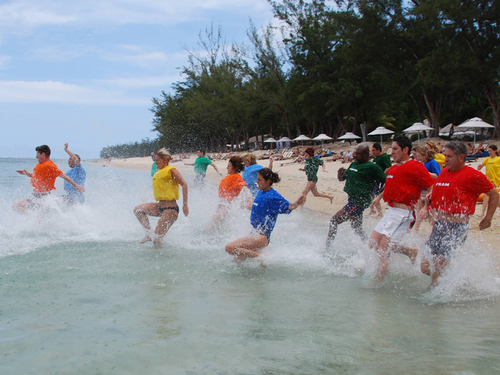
(359, 182)
(311, 169)
(201, 164)
(383, 161)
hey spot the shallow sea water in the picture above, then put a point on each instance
(79, 295)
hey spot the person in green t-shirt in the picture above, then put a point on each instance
(383, 161)
(311, 169)
(359, 178)
(200, 166)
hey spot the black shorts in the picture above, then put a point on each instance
(36, 199)
(377, 188)
(161, 209)
(446, 237)
(352, 210)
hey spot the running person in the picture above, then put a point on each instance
(492, 165)
(43, 180)
(166, 191)
(200, 167)
(311, 169)
(265, 209)
(453, 201)
(249, 174)
(360, 178)
(230, 188)
(77, 174)
(403, 185)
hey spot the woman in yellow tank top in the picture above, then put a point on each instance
(166, 190)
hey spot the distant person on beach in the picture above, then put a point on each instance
(78, 175)
(404, 183)
(200, 167)
(452, 203)
(265, 209)
(360, 178)
(249, 174)
(166, 191)
(230, 188)
(311, 169)
(43, 180)
(384, 162)
(492, 164)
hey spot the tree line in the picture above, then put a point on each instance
(131, 150)
(331, 67)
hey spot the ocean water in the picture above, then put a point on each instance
(79, 295)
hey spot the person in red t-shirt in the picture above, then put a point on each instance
(403, 186)
(452, 202)
(43, 180)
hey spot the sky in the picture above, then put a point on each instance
(83, 72)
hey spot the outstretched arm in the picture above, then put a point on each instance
(23, 172)
(78, 188)
(271, 159)
(177, 177)
(215, 167)
(300, 201)
(71, 155)
(492, 206)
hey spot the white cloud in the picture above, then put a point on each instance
(140, 82)
(63, 93)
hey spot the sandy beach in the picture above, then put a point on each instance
(293, 182)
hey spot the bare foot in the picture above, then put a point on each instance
(158, 243)
(145, 239)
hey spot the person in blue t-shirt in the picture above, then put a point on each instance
(249, 174)
(265, 209)
(77, 174)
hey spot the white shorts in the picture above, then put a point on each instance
(396, 223)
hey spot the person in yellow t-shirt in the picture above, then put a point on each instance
(166, 183)
(492, 165)
(438, 156)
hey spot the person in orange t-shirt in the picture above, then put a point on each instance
(230, 188)
(43, 180)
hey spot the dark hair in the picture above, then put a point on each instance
(237, 163)
(457, 147)
(268, 175)
(403, 141)
(309, 151)
(43, 149)
(203, 152)
(377, 147)
(493, 147)
(78, 156)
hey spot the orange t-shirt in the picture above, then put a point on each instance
(44, 177)
(230, 187)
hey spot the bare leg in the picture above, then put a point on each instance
(485, 205)
(217, 219)
(311, 187)
(247, 247)
(21, 206)
(439, 264)
(381, 243)
(141, 212)
(425, 267)
(410, 252)
(166, 220)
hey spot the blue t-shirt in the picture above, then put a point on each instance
(433, 167)
(265, 209)
(78, 175)
(249, 175)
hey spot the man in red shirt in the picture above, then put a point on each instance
(404, 183)
(452, 202)
(43, 180)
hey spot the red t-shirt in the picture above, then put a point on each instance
(456, 193)
(230, 187)
(44, 177)
(405, 182)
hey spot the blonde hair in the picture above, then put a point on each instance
(434, 146)
(250, 158)
(164, 154)
(424, 151)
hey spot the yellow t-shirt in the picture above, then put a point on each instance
(165, 187)
(493, 170)
(440, 159)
